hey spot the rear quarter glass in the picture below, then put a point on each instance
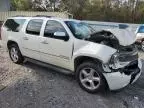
(14, 25)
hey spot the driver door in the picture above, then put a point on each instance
(54, 50)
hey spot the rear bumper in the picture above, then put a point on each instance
(119, 79)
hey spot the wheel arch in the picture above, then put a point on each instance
(80, 59)
(10, 42)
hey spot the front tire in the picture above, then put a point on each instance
(90, 78)
(142, 46)
(15, 54)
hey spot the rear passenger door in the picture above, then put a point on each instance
(30, 39)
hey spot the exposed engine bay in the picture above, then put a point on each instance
(125, 60)
(106, 38)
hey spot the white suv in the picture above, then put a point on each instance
(104, 59)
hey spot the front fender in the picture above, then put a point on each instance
(95, 50)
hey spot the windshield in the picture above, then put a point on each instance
(141, 29)
(80, 30)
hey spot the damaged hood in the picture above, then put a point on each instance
(124, 36)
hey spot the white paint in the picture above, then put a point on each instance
(61, 53)
(117, 80)
(125, 36)
(96, 51)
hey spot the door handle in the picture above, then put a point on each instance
(25, 38)
(44, 42)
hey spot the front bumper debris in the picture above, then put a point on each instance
(124, 76)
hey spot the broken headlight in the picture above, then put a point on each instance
(115, 62)
(122, 58)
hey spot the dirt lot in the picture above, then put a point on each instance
(33, 86)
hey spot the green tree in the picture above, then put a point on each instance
(75, 7)
(131, 11)
(19, 5)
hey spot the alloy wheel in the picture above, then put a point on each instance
(89, 78)
(14, 54)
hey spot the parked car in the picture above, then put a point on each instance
(140, 37)
(103, 59)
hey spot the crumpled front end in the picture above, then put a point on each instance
(123, 68)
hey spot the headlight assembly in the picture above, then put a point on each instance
(115, 62)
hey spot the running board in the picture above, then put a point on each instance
(53, 67)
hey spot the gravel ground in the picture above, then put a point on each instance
(33, 86)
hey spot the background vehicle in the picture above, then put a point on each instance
(140, 37)
(103, 59)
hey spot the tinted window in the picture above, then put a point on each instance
(52, 27)
(14, 25)
(34, 26)
(141, 29)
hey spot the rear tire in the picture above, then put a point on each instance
(90, 78)
(15, 54)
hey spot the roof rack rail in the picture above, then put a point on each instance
(19, 16)
(43, 16)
